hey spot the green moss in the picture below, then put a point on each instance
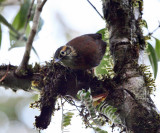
(149, 81)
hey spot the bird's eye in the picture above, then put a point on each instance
(63, 53)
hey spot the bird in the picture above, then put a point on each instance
(82, 53)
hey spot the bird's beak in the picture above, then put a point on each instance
(56, 60)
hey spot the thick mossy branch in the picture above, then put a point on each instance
(10, 80)
(54, 80)
(57, 80)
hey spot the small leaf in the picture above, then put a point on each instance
(157, 48)
(102, 32)
(144, 23)
(67, 119)
(98, 130)
(0, 35)
(28, 30)
(18, 43)
(153, 59)
(101, 68)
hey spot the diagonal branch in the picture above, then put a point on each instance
(29, 14)
(95, 9)
(22, 68)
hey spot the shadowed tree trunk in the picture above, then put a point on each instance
(132, 95)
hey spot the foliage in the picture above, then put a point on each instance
(153, 53)
(149, 81)
(86, 98)
(153, 59)
(20, 28)
(67, 119)
(98, 130)
(110, 112)
(106, 65)
(102, 108)
(157, 49)
(21, 24)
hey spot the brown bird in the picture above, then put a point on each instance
(83, 52)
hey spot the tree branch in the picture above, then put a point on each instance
(22, 68)
(42, 4)
(12, 81)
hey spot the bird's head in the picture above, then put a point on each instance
(65, 55)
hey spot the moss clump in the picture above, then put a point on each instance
(149, 81)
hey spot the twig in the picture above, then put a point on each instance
(5, 75)
(150, 33)
(42, 4)
(22, 68)
(29, 14)
(95, 9)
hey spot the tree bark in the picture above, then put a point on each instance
(128, 91)
(131, 94)
(10, 80)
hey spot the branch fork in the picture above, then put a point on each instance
(22, 69)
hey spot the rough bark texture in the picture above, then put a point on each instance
(131, 96)
(10, 80)
(127, 92)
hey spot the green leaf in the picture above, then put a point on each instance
(157, 48)
(0, 35)
(67, 119)
(19, 24)
(105, 34)
(28, 30)
(102, 32)
(98, 130)
(21, 17)
(1, 1)
(17, 43)
(153, 59)
(144, 23)
(5, 22)
(101, 68)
